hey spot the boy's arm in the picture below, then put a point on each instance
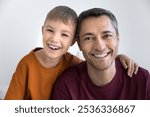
(16, 90)
(128, 64)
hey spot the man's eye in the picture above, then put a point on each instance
(88, 38)
(108, 36)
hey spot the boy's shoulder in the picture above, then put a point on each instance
(30, 56)
(70, 58)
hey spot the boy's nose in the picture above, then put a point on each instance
(54, 38)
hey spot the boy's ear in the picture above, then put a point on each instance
(74, 40)
(42, 29)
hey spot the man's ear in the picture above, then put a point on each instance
(118, 39)
(78, 42)
(118, 36)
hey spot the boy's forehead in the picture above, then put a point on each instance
(60, 25)
(66, 22)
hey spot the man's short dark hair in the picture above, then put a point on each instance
(96, 12)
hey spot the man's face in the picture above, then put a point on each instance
(98, 42)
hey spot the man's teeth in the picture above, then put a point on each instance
(100, 55)
(53, 47)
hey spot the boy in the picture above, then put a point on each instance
(37, 71)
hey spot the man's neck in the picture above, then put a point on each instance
(102, 77)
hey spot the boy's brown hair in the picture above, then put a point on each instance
(62, 13)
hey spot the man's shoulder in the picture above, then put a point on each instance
(142, 72)
(68, 57)
(75, 70)
(72, 74)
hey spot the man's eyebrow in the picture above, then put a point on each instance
(104, 32)
(87, 34)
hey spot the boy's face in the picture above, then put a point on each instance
(98, 42)
(57, 37)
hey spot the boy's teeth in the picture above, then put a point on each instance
(53, 47)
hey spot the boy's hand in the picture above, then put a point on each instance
(128, 64)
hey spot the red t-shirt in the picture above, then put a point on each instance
(75, 84)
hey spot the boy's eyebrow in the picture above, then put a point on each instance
(49, 26)
(66, 31)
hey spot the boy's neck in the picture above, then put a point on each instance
(45, 60)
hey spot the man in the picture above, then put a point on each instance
(101, 76)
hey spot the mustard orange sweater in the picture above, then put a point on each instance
(32, 81)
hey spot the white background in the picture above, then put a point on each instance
(88, 108)
(21, 21)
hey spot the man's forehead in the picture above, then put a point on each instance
(102, 23)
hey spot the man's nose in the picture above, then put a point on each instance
(99, 44)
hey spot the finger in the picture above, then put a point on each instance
(124, 64)
(129, 68)
(136, 67)
(132, 68)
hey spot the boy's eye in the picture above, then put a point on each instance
(49, 30)
(65, 35)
